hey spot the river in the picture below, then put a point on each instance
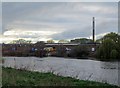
(83, 69)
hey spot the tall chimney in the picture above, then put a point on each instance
(93, 29)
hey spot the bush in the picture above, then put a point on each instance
(105, 49)
(113, 54)
(79, 51)
(110, 47)
(61, 51)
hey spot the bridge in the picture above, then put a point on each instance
(71, 45)
(25, 47)
(68, 46)
(40, 48)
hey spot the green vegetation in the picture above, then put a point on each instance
(113, 54)
(1, 60)
(63, 41)
(21, 41)
(13, 77)
(110, 47)
(82, 41)
(50, 41)
(60, 51)
(79, 52)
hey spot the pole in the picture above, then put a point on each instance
(93, 29)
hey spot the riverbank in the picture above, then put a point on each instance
(13, 77)
(91, 70)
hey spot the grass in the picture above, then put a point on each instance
(1, 60)
(13, 77)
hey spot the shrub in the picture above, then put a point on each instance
(104, 51)
(110, 47)
(79, 51)
(60, 51)
(113, 54)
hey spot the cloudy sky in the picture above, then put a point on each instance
(38, 21)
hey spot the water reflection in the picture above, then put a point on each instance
(109, 65)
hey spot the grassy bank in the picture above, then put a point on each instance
(1, 60)
(13, 77)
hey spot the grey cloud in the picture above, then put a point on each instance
(104, 27)
(74, 19)
(61, 1)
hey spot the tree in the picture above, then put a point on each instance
(29, 41)
(113, 54)
(82, 41)
(21, 41)
(40, 45)
(63, 41)
(113, 36)
(79, 51)
(60, 51)
(99, 40)
(50, 41)
(110, 47)
(100, 52)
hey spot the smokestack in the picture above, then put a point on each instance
(93, 29)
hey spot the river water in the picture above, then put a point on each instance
(83, 69)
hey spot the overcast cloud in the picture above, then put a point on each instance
(38, 21)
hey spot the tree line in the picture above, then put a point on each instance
(79, 40)
(109, 47)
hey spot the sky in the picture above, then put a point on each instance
(42, 21)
